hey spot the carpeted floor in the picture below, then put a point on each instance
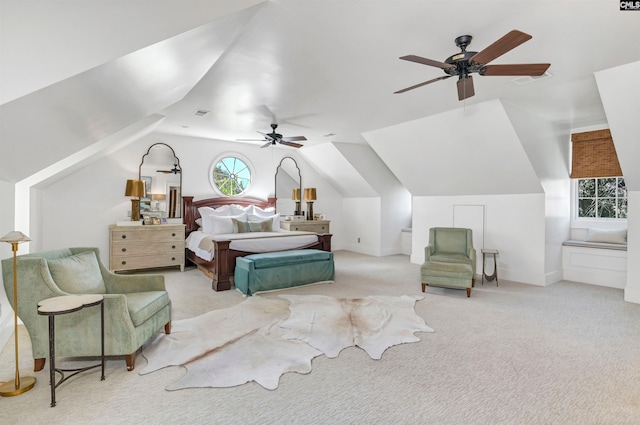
(515, 354)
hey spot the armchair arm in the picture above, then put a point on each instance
(428, 251)
(472, 255)
(123, 284)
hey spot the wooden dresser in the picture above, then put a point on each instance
(144, 247)
(318, 226)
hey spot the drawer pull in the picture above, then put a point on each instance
(124, 262)
(173, 247)
(124, 236)
(173, 234)
(124, 249)
(173, 258)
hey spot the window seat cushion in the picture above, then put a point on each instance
(599, 245)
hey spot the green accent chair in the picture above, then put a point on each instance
(450, 259)
(136, 307)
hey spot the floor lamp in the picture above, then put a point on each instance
(17, 387)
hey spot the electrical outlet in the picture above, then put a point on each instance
(358, 240)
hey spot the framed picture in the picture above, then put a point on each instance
(147, 189)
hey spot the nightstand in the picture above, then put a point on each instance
(317, 226)
(144, 247)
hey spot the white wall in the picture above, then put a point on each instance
(619, 94)
(7, 215)
(363, 221)
(514, 225)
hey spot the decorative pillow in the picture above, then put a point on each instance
(240, 226)
(238, 209)
(607, 235)
(275, 217)
(214, 224)
(265, 225)
(199, 221)
(78, 274)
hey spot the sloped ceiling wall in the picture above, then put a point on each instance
(330, 163)
(619, 90)
(36, 59)
(472, 150)
(72, 114)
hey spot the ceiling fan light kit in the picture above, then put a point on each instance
(465, 63)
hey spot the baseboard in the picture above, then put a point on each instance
(362, 250)
(632, 294)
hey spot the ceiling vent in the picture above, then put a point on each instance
(200, 113)
(530, 78)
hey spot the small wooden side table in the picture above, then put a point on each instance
(493, 275)
(57, 306)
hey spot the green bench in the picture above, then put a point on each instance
(283, 269)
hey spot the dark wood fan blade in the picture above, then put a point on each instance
(266, 145)
(164, 171)
(534, 69)
(508, 42)
(293, 145)
(425, 61)
(294, 139)
(465, 88)
(422, 84)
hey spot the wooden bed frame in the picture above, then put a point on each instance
(221, 268)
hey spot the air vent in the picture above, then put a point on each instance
(529, 79)
(200, 113)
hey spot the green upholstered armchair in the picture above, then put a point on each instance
(136, 307)
(450, 259)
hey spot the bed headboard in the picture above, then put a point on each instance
(190, 207)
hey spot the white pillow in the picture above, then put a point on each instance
(607, 235)
(239, 209)
(222, 211)
(266, 213)
(276, 220)
(215, 224)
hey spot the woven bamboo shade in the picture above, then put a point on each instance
(594, 155)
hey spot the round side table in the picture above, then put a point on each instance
(66, 304)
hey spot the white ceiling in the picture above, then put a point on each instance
(315, 67)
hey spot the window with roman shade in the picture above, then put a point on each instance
(601, 192)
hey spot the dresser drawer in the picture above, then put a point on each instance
(145, 235)
(147, 261)
(138, 248)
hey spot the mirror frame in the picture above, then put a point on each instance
(298, 210)
(176, 164)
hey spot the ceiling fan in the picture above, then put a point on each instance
(465, 63)
(273, 138)
(174, 170)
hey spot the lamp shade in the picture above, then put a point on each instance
(296, 194)
(309, 193)
(158, 196)
(135, 188)
(15, 237)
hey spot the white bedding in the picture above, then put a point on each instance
(252, 242)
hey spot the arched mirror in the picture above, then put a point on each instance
(288, 178)
(161, 171)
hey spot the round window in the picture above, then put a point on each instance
(231, 176)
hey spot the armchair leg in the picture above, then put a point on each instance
(38, 364)
(424, 286)
(473, 282)
(131, 361)
(167, 327)
(468, 292)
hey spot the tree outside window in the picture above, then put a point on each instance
(231, 176)
(602, 198)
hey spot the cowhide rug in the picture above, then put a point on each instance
(260, 339)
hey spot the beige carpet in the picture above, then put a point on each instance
(517, 354)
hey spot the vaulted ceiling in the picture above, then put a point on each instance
(75, 72)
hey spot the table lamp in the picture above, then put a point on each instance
(158, 197)
(296, 197)
(309, 196)
(136, 189)
(18, 386)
